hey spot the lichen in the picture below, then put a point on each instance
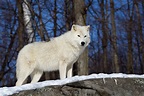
(29, 95)
(44, 89)
(139, 81)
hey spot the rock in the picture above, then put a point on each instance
(93, 87)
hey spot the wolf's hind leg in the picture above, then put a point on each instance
(36, 75)
(22, 76)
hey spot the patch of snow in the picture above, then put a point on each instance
(5, 91)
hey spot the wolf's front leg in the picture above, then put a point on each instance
(62, 70)
(69, 73)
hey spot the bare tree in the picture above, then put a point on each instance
(117, 32)
(20, 24)
(139, 31)
(80, 18)
(129, 30)
(114, 38)
(68, 13)
(104, 23)
(28, 21)
(41, 28)
(55, 18)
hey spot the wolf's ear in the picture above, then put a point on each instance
(88, 27)
(74, 27)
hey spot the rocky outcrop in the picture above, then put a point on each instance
(93, 87)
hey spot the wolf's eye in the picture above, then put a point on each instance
(85, 36)
(78, 35)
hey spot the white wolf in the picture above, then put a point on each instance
(58, 54)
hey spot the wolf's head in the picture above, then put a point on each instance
(81, 35)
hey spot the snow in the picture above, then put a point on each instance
(5, 91)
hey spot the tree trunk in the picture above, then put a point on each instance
(129, 38)
(28, 21)
(41, 30)
(104, 38)
(130, 49)
(20, 29)
(114, 38)
(140, 33)
(80, 19)
(68, 14)
(55, 18)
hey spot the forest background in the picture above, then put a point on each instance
(117, 33)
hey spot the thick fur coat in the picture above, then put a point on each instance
(58, 54)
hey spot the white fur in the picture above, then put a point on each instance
(58, 54)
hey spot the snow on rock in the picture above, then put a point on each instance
(5, 91)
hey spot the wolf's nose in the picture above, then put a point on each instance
(82, 43)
